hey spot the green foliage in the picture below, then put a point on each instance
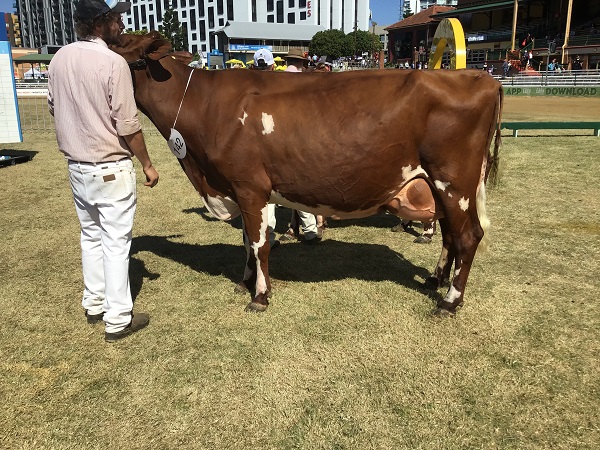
(330, 42)
(141, 32)
(172, 30)
(361, 41)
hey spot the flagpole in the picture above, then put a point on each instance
(514, 28)
(567, 31)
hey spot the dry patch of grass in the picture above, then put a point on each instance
(347, 355)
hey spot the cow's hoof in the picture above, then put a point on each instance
(443, 313)
(241, 288)
(256, 307)
(422, 240)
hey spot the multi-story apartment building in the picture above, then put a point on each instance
(50, 22)
(424, 4)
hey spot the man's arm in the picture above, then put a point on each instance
(137, 145)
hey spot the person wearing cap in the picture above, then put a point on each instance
(90, 95)
(296, 61)
(263, 60)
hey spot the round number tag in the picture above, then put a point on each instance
(177, 144)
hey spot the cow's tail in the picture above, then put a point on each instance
(492, 173)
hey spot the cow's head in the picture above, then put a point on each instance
(137, 48)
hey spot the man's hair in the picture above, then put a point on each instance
(86, 27)
(261, 65)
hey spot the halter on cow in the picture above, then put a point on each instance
(413, 143)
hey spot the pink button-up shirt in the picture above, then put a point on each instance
(90, 95)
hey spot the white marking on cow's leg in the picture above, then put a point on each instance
(261, 282)
(408, 173)
(441, 185)
(268, 123)
(243, 118)
(452, 295)
(463, 203)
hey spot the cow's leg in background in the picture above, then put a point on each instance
(256, 241)
(427, 234)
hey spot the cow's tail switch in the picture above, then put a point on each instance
(493, 167)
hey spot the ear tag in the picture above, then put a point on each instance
(177, 144)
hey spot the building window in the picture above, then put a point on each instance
(211, 17)
(221, 22)
(291, 17)
(202, 30)
(229, 9)
(204, 47)
(279, 11)
(201, 7)
(270, 18)
(193, 19)
(270, 6)
(302, 15)
(220, 7)
(291, 4)
(253, 10)
(302, 3)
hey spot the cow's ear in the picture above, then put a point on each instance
(184, 57)
(158, 48)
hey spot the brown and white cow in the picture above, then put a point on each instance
(412, 143)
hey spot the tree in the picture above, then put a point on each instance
(172, 30)
(407, 10)
(359, 42)
(329, 42)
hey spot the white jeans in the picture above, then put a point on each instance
(105, 201)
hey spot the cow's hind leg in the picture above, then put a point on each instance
(256, 273)
(441, 274)
(466, 233)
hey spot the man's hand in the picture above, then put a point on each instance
(151, 176)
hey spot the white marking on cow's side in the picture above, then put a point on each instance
(441, 185)
(408, 173)
(463, 203)
(450, 194)
(452, 295)
(261, 282)
(268, 123)
(243, 119)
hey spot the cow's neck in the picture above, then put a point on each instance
(159, 91)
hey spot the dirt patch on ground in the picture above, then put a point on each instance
(551, 108)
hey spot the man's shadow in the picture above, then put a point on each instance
(330, 260)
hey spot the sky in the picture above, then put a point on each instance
(385, 12)
(7, 6)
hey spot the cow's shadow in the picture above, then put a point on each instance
(330, 260)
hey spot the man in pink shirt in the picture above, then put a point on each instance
(90, 95)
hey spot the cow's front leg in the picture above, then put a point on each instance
(256, 273)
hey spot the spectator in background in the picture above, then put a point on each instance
(576, 64)
(506, 67)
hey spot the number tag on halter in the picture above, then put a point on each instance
(177, 144)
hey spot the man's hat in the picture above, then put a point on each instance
(90, 9)
(264, 55)
(296, 53)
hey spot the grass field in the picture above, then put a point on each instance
(346, 357)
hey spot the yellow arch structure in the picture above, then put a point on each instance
(449, 33)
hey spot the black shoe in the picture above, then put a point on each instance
(138, 321)
(275, 244)
(93, 319)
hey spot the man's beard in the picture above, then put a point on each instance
(108, 35)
